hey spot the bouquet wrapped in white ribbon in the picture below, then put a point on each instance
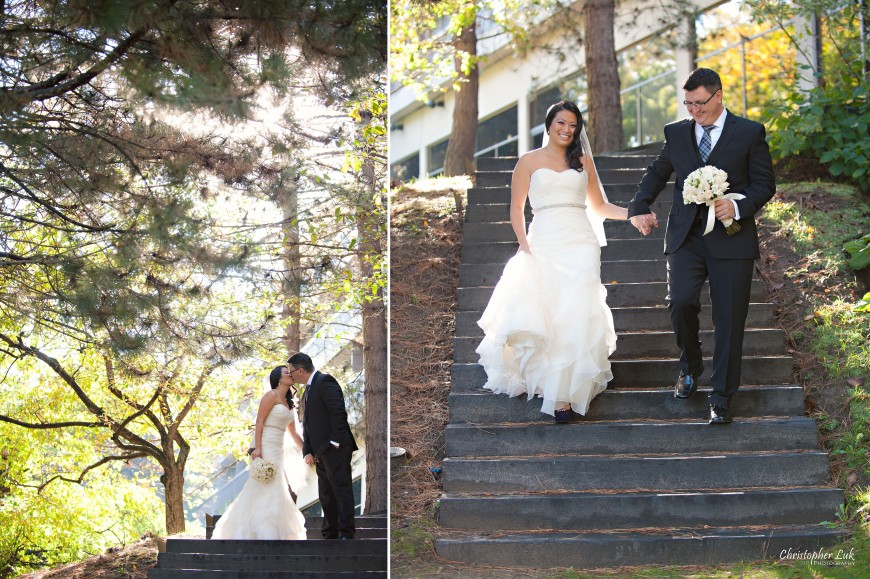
(704, 186)
(262, 470)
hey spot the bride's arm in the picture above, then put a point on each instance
(519, 191)
(595, 199)
(266, 404)
(291, 428)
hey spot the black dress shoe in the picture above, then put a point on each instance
(346, 537)
(686, 386)
(719, 414)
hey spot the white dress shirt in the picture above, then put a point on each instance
(715, 133)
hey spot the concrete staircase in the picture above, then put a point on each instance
(642, 479)
(365, 557)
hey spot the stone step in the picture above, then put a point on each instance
(638, 160)
(484, 407)
(615, 250)
(596, 550)
(158, 573)
(619, 295)
(617, 192)
(635, 319)
(356, 547)
(618, 174)
(630, 437)
(502, 231)
(632, 345)
(367, 521)
(600, 511)
(298, 563)
(359, 533)
(500, 210)
(652, 473)
(648, 374)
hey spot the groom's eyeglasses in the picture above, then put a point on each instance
(697, 105)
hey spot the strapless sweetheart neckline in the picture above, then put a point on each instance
(555, 171)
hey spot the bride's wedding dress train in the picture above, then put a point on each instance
(266, 510)
(548, 330)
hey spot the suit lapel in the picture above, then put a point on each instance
(724, 138)
(306, 398)
(689, 134)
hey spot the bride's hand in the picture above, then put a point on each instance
(256, 454)
(524, 247)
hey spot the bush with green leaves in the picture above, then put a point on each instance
(831, 124)
(832, 121)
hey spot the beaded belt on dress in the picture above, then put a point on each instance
(558, 205)
(273, 426)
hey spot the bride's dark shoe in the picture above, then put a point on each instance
(686, 386)
(562, 416)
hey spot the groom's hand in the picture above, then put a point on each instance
(645, 223)
(724, 209)
(309, 459)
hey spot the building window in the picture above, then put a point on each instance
(437, 154)
(497, 135)
(406, 169)
(647, 76)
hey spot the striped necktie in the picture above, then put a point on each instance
(706, 143)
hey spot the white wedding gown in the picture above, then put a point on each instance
(266, 511)
(548, 330)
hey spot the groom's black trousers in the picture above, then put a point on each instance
(730, 286)
(335, 489)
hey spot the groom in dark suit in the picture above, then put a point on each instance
(328, 443)
(712, 136)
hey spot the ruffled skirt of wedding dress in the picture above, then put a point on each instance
(266, 511)
(548, 330)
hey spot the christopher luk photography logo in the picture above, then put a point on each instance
(819, 557)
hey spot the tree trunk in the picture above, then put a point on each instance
(291, 283)
(374, 329)
(602, 74)
(463, 135)
(375, 367)
(173, 484)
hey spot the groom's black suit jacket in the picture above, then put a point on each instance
(742, 153)
(325, 417)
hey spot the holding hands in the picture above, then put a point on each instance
(645, 223)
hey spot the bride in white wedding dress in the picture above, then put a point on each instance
(548, 330)
(265, 510)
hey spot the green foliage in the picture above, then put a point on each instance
(832, 122)
(859, 252)
(423, 54)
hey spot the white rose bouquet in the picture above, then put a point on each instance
(262, 470)
(704, 186)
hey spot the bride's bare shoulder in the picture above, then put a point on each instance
(530, 161)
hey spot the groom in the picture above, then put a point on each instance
(712, 136)
(328, 444)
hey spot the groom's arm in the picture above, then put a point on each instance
(762, 185)
(334, 402)
(654, 180)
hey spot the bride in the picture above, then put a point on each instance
(548, 330)
(265, 510)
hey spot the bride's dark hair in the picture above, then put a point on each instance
(575, 150)
(275, 377)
